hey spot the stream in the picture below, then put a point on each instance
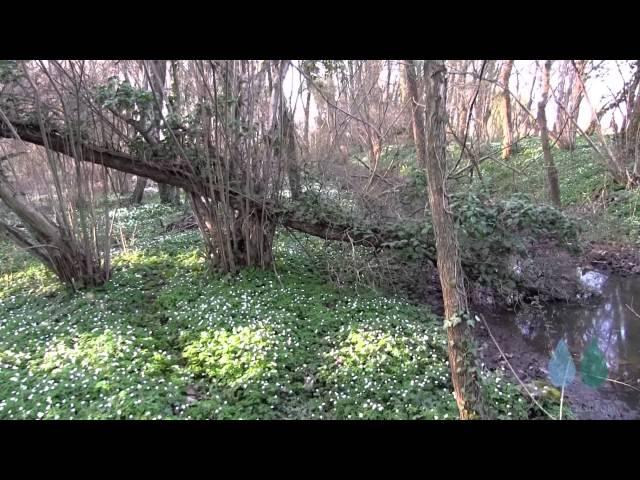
(528, 339)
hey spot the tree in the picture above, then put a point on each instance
(155, 80)
(612, 156)
(431, 154)
(505, 108)
(631, 129)
(282, 128)
(138, 191)
(66, 233)
(218, 145)
(570, 95)
(550, 167)
(156, 72)
(54, 243)
(483, 103)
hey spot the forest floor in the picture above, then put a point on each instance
(167, 339)
(613, 257)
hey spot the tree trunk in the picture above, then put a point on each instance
(505, 107)
(570, 97)
(431, 153)
(575, 100)
(176, 107)
(291, 153)
(632, 130)
(234, 239)
(282, 129)
(138, 191)
(552, 172)
(53, 244)
(568, 140)
(591, 129)
(307, 109)
(158, 79)
(483, 104)
(169, 194)
(120, 182)
(529, 123)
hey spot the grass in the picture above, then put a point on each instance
(166, 339)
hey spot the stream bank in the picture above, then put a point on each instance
(529, 335)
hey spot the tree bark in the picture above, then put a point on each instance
(169, 194)
(575, 99)
(569, 97)
(282, 129)
(157, 70)
(158, 169)
(234, 239)
(432, 156)
(550, 167)
(307, 138)
(51, 243)
(505, 107)
(120, 182)
(632, 130)
(138, 191)
(291, 156)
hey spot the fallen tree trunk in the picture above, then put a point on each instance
(95, 154)
(295, 216)
(162, 170)
(159, 169)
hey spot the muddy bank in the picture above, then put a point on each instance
(612, 257)
(530, 365)
(600, 314)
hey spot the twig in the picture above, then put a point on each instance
(331, 104)
(632, 310)
(513, 371)
(620, 383)
(376, 174)
(506, 165)
(561, 399)
(457, 174)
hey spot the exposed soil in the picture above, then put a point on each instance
(613, 258)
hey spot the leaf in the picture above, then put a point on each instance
(562, 370)
(593, 367)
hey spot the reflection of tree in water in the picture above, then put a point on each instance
(614, 326)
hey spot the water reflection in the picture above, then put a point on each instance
(592, 279)
(615, 327)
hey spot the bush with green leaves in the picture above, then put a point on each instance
(491, 233)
